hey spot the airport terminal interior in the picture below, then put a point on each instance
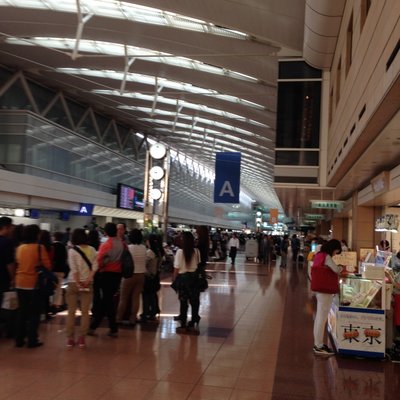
(262, 118)
(255, 343)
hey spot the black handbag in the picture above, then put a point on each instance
(47, 281)
(202, 281)
(177, 283)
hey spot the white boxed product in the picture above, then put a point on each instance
(372, 271)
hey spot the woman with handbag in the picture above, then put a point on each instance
(186, 262)
(29, 256)
(325, 282)
(82, 260)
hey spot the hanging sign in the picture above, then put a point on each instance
(273, 216)
(327, 204)
(227, 177)
(314, 217)
(85, 209)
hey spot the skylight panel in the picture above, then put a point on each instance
(209, 122)
(162, 82)
(191, 117)
(233, 141)
(130, 12)
(119, 49)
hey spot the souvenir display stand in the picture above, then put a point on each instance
(357, 319)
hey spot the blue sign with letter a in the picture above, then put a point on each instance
(227, 177)
(86, 209)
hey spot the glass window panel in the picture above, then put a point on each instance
(298, 116)
(58, 115)
(76, 110)
(297, 179)
(87, 129)
(305, 158)
(42, 95)
(15, 98)
(298, 70)
(14, 153)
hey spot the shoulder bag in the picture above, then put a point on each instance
(47, 281)
(83, 255)
(323, 279)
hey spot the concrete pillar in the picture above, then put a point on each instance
(338, 228)
(363, 225)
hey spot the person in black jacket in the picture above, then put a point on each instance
(60, 268)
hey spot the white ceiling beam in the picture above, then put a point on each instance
(82, 19)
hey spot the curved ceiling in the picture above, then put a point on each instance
(198, 75)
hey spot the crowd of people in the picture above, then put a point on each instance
(86, 268)
(90, 267)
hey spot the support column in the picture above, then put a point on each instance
(363, 226)
(338, 229)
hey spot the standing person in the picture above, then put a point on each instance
(284, 250)
(324, 300)
(66, 236)
(29, 255)
(45, 240)
(60, 268)
(185, 264)
(152, 279)
(295, 244)
(93, 239)
(203, 244)
(109, 279)
(7, 265)
(131, 288)
(233, 246)
(265, 249)
(384, 245)
(83, 265)
(121, 232)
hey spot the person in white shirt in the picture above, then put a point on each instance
(233, 245)
(185, 264)
(82, 260)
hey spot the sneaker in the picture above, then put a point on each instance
(81, 342)
(91, 332)
(324, 350)
(70, 343)
(112, 334)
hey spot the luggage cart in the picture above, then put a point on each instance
(251, 249)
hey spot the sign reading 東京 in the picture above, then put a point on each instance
(227, 177)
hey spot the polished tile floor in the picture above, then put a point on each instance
(255, 343)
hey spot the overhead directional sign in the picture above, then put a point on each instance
(327, 204)
(227, 177)
(314, 217)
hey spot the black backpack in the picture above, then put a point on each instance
(127, 264)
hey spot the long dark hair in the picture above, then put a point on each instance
(187, 246)
(93, 239)
(154, 244)
(45, 239)
(331, 246)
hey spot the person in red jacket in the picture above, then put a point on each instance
(108, 280)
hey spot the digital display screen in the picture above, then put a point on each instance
(130, 198)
